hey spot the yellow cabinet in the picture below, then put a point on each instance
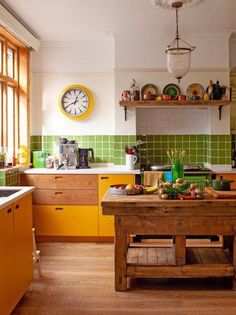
(64, 205)
(16, 263)
(105, 222)
(23, 243)
(7, 261)
(65, 220)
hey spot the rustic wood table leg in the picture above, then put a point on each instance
(121, 247)
(234, 263)
(180, 249)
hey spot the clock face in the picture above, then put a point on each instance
(76, 102)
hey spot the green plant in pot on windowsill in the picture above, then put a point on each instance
(2, 160)
(176, 158)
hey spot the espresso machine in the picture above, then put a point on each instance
(83, 158)
(67, 155)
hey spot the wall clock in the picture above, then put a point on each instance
(76, 102)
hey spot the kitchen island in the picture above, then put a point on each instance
(148, 215)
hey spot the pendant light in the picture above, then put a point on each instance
(179, 51)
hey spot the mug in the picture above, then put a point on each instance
(130, 161)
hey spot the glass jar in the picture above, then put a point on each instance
(177, 170)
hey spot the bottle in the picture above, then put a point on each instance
(22, 154)
(210, 89)
(135, 91)
(233, 158)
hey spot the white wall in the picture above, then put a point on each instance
(57, 65)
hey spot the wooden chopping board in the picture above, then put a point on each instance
(221, 194)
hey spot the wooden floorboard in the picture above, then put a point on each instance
(78, 278)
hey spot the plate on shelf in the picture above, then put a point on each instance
(195, 91)
(149, 92)
(173, 90)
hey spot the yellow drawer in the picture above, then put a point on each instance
(65, 220)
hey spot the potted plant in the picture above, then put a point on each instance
(176, 159)
(2, 160)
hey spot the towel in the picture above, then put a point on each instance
(151, 178)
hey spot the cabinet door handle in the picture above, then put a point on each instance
(17, 206)
(59, 209)
(58, 177)
(58, 193)
(105, 177)
(9, 210)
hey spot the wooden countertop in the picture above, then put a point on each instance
(153, 205)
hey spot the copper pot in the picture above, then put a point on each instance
(181, 97)
(166, 97)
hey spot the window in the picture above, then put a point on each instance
(14, 92)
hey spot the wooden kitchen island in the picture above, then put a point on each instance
(148, 215)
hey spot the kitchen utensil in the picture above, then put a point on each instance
(150, 91)
(120, 189)
(173, 90)
(39, 159)
(166, 97)
(83, 157)
(181, 97)
(195, 91)
(63, 140)
(221, 184)
(230, 194)
(130, 159)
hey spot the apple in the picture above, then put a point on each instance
(129, 186)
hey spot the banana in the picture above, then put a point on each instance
(151, 189)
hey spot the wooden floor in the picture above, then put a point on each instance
(78, 279)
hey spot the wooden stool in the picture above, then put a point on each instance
(36, 254)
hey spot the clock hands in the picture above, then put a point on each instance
(73, 103)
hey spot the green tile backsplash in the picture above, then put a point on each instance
(215, 149)
(9, 178)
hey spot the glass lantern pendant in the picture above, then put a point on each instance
(178, 52)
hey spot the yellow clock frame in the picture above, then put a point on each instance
(90, 103)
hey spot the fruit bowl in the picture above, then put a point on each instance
(120, 189)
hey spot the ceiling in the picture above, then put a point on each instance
(72, 20)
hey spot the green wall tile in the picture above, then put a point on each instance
(110, 148)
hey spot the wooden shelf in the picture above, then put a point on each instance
(151, 104)
(174, 104)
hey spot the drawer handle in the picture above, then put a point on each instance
(9, 210)
(104, 177)
(58, 177)
(17, 206)
(58, 193)
(59, 209)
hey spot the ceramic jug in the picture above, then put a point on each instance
(131, 159)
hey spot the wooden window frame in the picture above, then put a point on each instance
(20, 83)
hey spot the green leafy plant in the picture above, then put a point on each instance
(2, 157)
(176, 156)
(2, 160)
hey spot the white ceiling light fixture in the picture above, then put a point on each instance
(179, 51)
(167, 4)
